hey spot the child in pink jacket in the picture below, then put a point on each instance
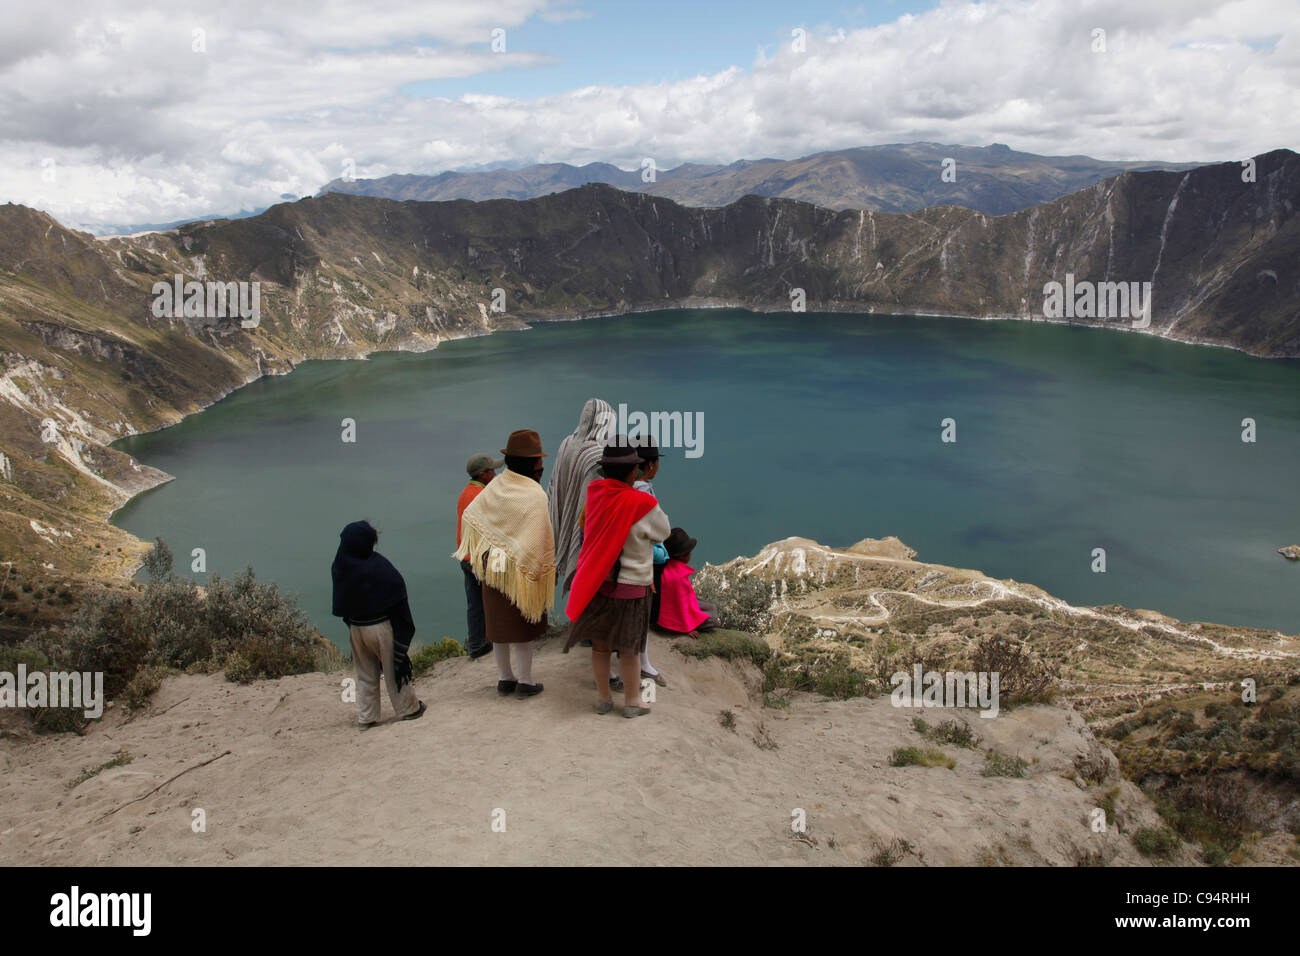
(680, 610)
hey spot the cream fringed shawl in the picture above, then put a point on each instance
(506, 537)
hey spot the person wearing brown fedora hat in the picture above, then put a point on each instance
(510, 546)
(609, 603)
(524, 443)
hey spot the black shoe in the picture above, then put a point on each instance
(482, 651)
(584, 643)
(506, 687)
(530, 690)
(418, 714)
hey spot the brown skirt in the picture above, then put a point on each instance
(613, 624)
(504, 623)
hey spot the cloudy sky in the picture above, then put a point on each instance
(117, 111)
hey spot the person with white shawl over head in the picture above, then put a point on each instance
(577, 464)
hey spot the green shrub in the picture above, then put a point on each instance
(328, 657)
(239, 669)
(266, 629)
(119, 759)
(143, 686)
(429, 657)
(158, 562)
(955, 732)
(248, 629)
(1021, 676)
(744, 602)
(1214, 855)
(103, 634)
(1151, 841)
(729, 645)
(918, 757)
(60, 720)
(30, 657)
(1215, 811)
(893, 852)
(840, 681)
(1107, 803)
(1000, 765)
(57, 720)
(173, 612)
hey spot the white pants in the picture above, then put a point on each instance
(372, 654)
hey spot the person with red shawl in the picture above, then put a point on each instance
(609, 603)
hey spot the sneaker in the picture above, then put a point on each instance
(635, 711)
(481, 652)
(604, 706)
(506, 687)
(530, 690)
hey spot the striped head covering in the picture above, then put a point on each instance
(577, 464)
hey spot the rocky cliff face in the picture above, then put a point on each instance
(87, 357)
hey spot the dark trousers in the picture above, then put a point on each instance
(474, 610)
(654, 603)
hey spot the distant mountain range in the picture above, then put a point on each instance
(340, 276)
(130, 229)
(897, 178)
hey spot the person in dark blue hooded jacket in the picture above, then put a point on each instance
(370, 596)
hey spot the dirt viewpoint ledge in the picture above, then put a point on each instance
(569, 782)
(712, 776)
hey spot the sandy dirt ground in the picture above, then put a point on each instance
(482, 779)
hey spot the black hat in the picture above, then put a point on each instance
(621, 453)
(679, 542)
(646, 447)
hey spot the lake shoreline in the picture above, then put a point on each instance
(971, 343)
(526, 321)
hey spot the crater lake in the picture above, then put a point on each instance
(824, 426)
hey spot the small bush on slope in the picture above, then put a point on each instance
(248, 628)
(918, 757)
(744, 603)
(429, 657)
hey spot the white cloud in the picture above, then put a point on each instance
(141, 128)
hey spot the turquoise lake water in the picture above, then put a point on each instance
(822, 426)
